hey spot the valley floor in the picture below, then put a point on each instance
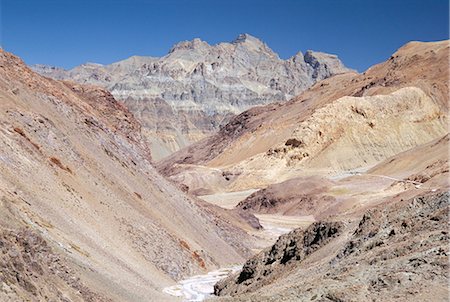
(200, 287)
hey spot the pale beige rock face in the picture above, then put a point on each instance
(76, 171)
(187, 94)
(350, 133)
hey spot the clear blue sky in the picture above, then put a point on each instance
(71, 32)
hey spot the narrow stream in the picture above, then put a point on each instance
(198, 288)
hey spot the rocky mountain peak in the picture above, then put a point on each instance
(298, 58)
(246, 38)
(47, 67)
(189, 45)
(312, 57)
(322, 63)
(252, 43)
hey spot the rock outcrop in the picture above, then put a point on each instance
(395, 252)
(278, 259)
(29, 268)
(187, 94)
(298, 196)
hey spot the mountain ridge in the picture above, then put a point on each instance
(197, 87)
(280, 137)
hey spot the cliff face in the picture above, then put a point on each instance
(83, 213)
(187, 94)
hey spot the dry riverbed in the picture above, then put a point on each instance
(198, 288)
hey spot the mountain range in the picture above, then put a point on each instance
(193, 90)
(338, 193)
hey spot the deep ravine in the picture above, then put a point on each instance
(199, 287)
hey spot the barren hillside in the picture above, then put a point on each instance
(419, 170)
(84, 215)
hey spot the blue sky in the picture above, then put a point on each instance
(71, 32)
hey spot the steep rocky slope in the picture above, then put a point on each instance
(345, 122)
(187, 94)
(83, 213)
(397, 251)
